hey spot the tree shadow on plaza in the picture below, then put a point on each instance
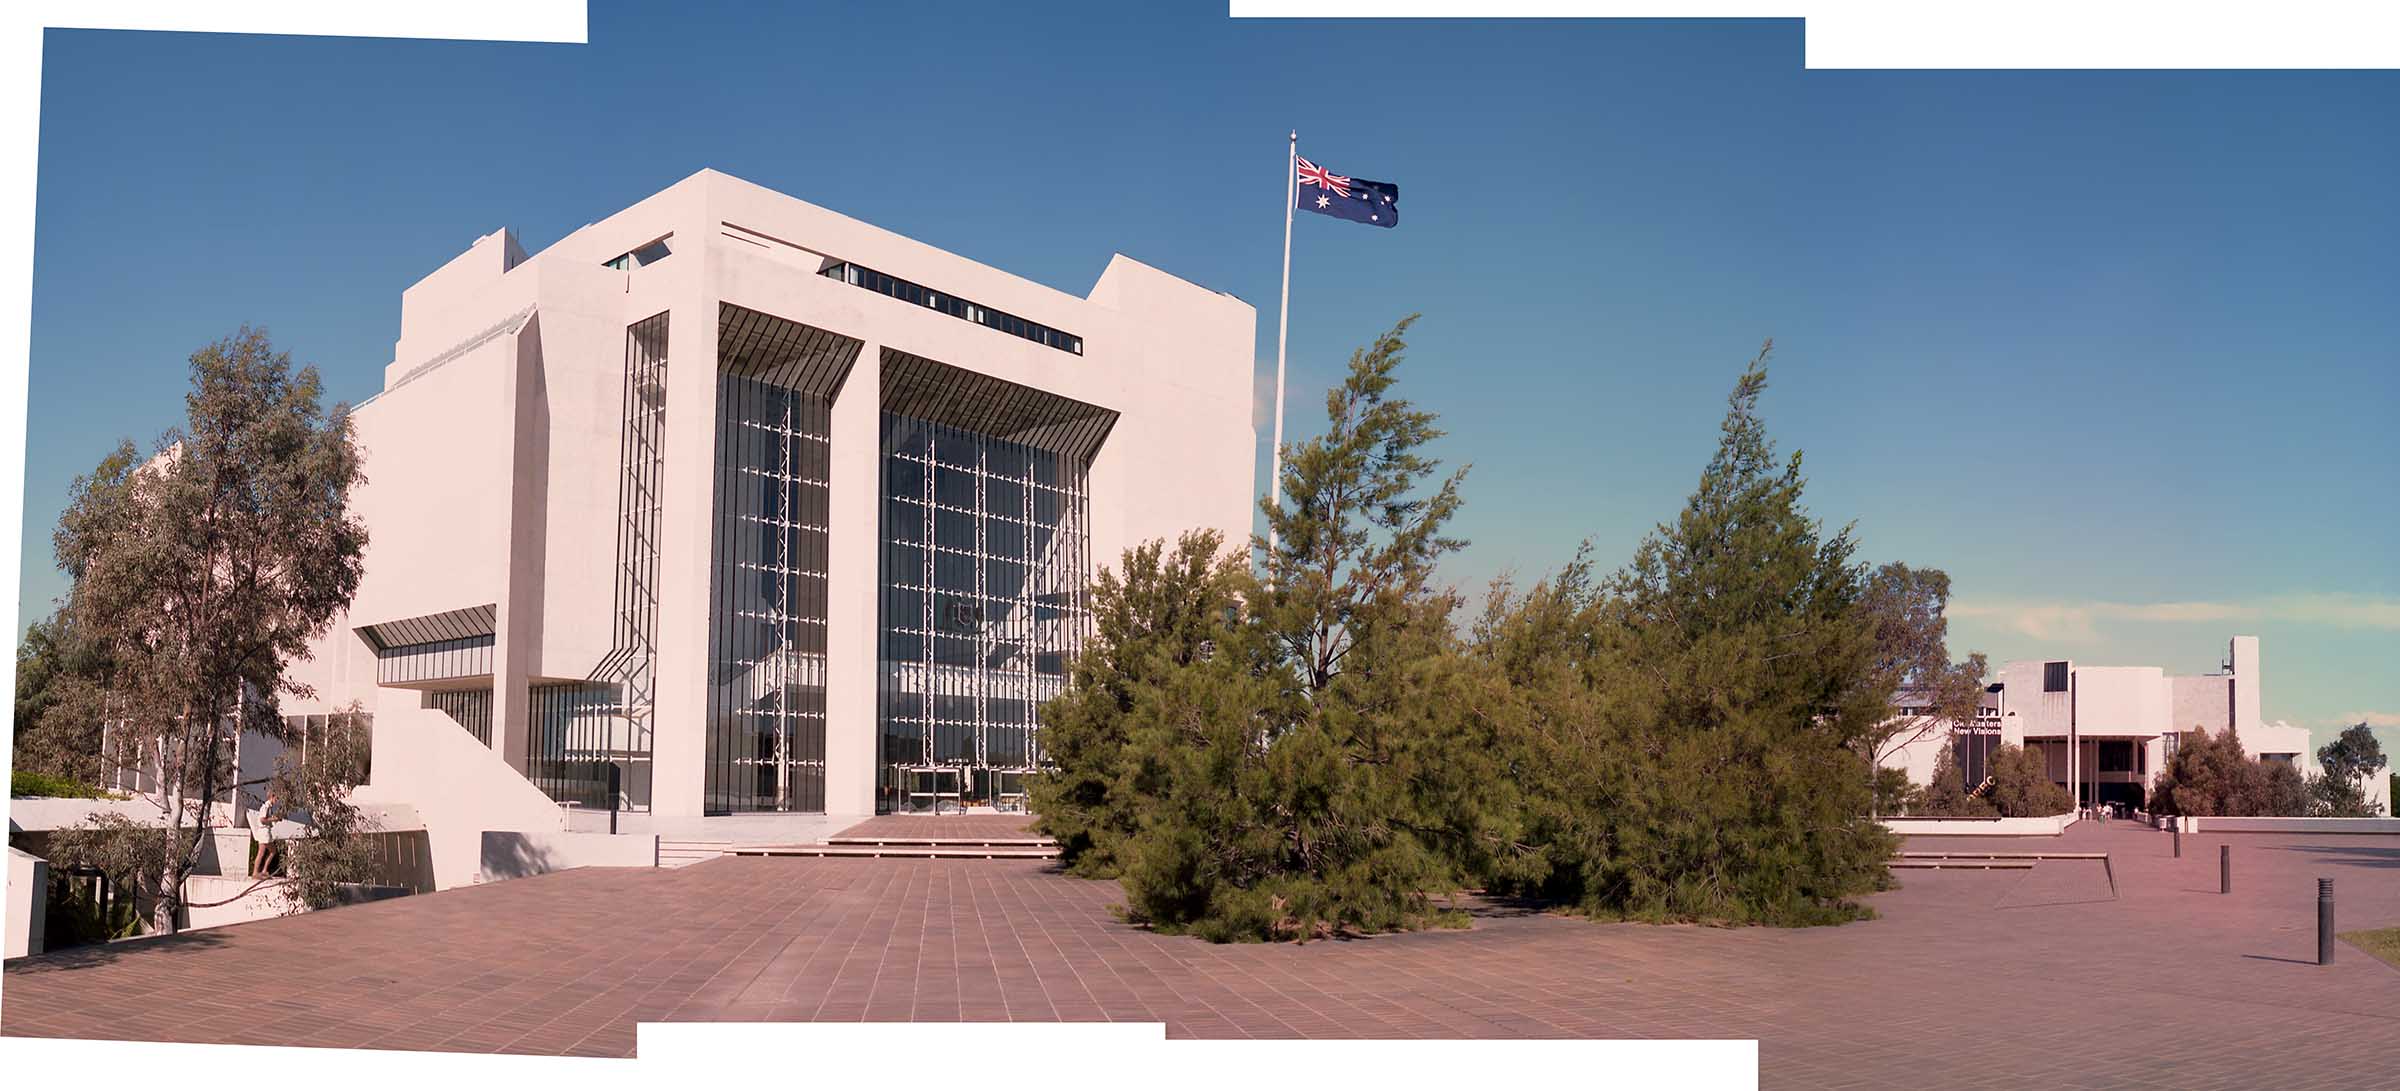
(507, 855)
(87, 955)
(2365, 856)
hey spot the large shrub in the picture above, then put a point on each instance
(1282, 757)
(2214, 775)
(2021, 785)
(1946, 796)
(1157, 614)
(1691, 730)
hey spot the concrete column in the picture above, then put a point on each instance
(519, 622)
(854, 515)
(687, 521)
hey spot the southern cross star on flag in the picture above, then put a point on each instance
(1321, 190)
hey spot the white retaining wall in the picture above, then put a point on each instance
(2050, 826)
(2292, 825)
(28, 900)
(517, 855)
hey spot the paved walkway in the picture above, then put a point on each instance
(1969, 979)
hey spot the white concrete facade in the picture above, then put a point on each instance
(2108, 731)
(522, 476)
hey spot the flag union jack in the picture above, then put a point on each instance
(1314, 175)
(1376, 204)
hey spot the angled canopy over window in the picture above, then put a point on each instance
(427, 628)
(432, 647)
(755, 345)
(929, 390)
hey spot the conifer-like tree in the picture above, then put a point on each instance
(1158, 612)
(1301, 754)
(1695, 729)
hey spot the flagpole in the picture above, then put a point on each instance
(1283, 329)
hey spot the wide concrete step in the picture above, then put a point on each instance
(675, 854)
(947, 842)
(1966, 864)
(940, 851)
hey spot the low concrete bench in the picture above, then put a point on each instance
(2001, 860)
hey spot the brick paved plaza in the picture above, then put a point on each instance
(1969, 979)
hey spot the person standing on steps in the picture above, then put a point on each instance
(265, 854)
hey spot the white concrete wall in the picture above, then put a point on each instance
(2282, 738)
(2032, 712)
(27, 902)
(245, 898)
(2199, 700)
(459, 789)
(1918, 756)
(517, 855)
(2292, 825)
(1980, 827)
(2119, 701)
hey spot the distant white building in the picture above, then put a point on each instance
(2108, 731)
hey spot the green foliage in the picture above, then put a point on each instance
(1316, 750)
(1894, 794)
(2212, 775)
(1288, 757)
(76, 913)
(128, 858)
(2340, 789)
(1947, 796)
(27, 783)
(2021, 785)
(1164, 614)
(1694, 729)
(2280, 791)
(203, 568)
(61, 676)
(336, 850)
(1912, 660)
(1311, 777)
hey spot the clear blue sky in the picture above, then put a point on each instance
(2115, 350)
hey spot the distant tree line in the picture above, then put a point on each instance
(2211, 775)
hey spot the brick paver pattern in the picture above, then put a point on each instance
(1968, 978)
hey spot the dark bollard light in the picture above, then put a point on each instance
(2224, 869)
(2179, 838)
(2324, 922)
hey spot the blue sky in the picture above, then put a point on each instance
(2117, 351)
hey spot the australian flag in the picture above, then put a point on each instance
(1321, 190)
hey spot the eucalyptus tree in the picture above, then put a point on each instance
(201, 570)
(1931, 694)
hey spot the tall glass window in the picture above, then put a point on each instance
(766, 705)
(985, 559)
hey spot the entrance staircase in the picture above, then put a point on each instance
(675, 854)
(951, 847)
(956, 837)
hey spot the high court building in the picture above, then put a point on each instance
(728, 510)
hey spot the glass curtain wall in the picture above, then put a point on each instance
(766, 717)
(985, 557)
